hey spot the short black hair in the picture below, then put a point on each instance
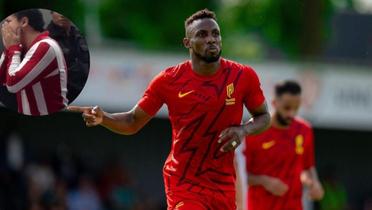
(35, 18)
(287, 86)
(201, 14)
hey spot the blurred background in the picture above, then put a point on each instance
(55, 162)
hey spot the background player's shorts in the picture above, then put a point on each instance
(205, 199)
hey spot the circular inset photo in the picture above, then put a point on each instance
(44, 63)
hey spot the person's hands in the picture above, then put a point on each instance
(92, 115)
(231, 138)
(306, 179)
(9, 35)
(316, 191)
(275, 186)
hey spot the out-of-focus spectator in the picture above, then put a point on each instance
(85, 196)
(15, 152)
(117, 189)
(41, 177)
(40, 180)
(50, 200)
(64, 181)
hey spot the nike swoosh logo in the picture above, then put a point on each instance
(268, 145)
(181, 95)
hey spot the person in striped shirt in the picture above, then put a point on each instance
(32, 65)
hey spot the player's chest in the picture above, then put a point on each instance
(204, 95)
(281, 145)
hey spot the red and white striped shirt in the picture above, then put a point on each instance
(39, 79)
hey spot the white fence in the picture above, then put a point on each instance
(334, 96)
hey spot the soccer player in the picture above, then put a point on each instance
(280, 160)
(205, 98)
(32, 64)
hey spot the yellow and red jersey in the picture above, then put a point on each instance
(284, 154)
(200, 107)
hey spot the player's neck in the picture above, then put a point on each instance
(276, 124)
(203, 68)
(29, 38)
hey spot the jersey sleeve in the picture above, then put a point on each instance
(309, 156)
(31, 69)
(254, 96)
(152, 100)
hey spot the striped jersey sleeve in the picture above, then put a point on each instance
(31, 69)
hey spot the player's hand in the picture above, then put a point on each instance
(275, 186)
(10, 37)
(92, 115)
(231, 138)
(316, 191)
(306, 179)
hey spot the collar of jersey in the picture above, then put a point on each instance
(41, 36)
(211, 77)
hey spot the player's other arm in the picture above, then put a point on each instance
(309, 178)
(272, 184)
(126, 123)
(256, 105)
(255, 102)
(259, 122)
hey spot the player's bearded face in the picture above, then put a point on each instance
(286, 107)
(205, 40)
(284, 121)
(209, 58)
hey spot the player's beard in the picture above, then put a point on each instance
(209, 59)
(283, 121)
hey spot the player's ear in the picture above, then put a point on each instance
(24, 21)
(186, 42)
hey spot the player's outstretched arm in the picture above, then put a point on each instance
(232, 137)
(126, 123)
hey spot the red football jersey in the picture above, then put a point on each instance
(200, 107)
(281, 153)
(38, 76)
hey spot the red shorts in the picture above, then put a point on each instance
(200, 200)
